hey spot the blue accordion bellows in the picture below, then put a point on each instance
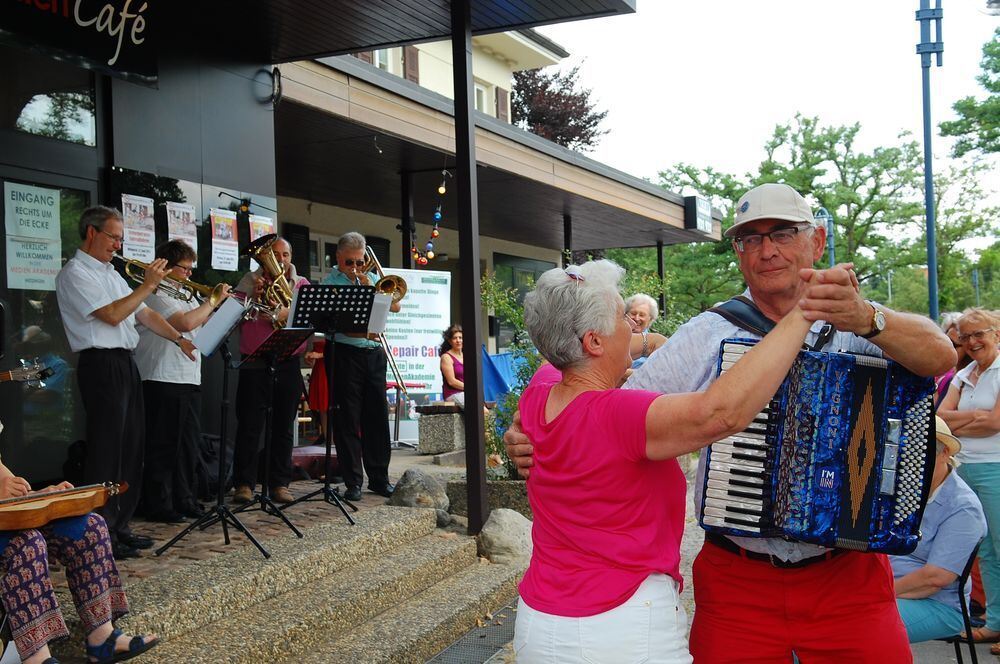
(842, 457)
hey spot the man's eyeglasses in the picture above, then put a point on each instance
(780, 237)
(350, 262)
(117, 239)
(979, 335)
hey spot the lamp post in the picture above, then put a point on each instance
(925, 49)
(824, 216)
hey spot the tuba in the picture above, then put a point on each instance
(278, 293)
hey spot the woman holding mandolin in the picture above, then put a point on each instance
(82, 545)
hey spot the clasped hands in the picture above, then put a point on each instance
(834, 295)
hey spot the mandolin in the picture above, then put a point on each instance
(32, 373)
(37, 509)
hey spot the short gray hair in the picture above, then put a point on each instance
(642, 298)
(949, 319)
(97, 217)
(566, 304)
(351, 242)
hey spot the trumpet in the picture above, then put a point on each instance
(394, 286)
(178, 289)
(254, 308)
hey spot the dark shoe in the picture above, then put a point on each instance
(136, 541)
(106, 652)
(243, 494)
(166, 517)
(51, 660)
(122, 551)
(353, 493)
(385, 490)
(193, 510)
(281, 494)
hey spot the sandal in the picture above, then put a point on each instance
(995, 649)
(105, 652)
(979, 635)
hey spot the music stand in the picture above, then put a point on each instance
(278, 347)
(331, 309)
(215, 335)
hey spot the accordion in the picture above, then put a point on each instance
(842, 456)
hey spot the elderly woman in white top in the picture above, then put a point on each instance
(972, 410)
(642, 309)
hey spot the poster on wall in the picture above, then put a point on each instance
(140, 228)
(181, 225)
(34, 245)
(225, 243)
(259, 227)
(414, 334)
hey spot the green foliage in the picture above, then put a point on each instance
(978, 125)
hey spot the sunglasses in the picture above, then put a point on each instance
(350, 262)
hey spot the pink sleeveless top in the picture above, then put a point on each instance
(459, 369)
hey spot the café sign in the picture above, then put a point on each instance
(110, 35)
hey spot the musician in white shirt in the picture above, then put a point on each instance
(763, 599)
(171, 386)
(99, 312)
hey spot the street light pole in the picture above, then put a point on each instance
(925, 49)
(824, 215)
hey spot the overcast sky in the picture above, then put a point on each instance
(705, 82)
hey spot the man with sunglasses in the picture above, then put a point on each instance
(760, 600)
(361, 418)
(254, 386)
(99, 313)
(172, 393)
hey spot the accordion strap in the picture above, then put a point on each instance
(742, 312)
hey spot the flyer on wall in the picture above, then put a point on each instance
(259, 227)
(140, 228)
(414, 334)
(181, 225)
(225, 244)
(34, 244)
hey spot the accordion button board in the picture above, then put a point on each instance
(840, 457)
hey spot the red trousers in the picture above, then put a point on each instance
(839, 610)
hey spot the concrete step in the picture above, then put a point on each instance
(417, 629)
(182, 600)
(294, 623)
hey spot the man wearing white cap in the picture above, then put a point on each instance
(760, 600)
(952, 526)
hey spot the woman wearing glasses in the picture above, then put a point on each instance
(972, 411)
(607, 493)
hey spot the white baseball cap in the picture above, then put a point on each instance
(770, 201)
(944, 436)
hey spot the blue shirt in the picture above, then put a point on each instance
(953, 524)
(337, 278)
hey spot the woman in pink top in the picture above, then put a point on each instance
(452, 367)
(607, 493)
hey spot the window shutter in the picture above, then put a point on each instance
(364, 56)
(503, 104)
(411, 64)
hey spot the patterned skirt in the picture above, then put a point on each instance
(82, 545)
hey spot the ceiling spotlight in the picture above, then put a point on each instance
(443, 187)
(377, 148)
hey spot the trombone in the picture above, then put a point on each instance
(395, 287)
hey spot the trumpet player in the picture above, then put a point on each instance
(253, 388)
(99, 313)
(361, 420)
(171, 387)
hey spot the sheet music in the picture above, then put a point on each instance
(380, 313)
(215, 329)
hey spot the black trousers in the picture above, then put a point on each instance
(111, 391)
(362, 415)
(173, 430)
(251, 413)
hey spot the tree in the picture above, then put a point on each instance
(554, 107)
(978, 123)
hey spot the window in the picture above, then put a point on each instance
(45, 97)
(380, 59)
(482, 97)
(521, 274)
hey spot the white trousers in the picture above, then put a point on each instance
(651, 626)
